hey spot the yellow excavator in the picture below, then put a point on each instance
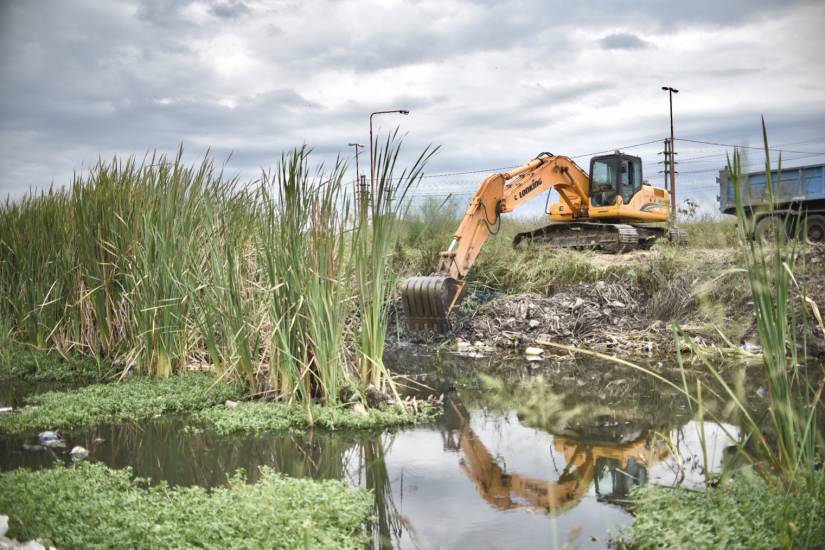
(613, 210)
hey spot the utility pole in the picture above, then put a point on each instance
(667, 161)
(670, 92)
(372, 144)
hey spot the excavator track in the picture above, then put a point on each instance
(613, 238)
(607, 237)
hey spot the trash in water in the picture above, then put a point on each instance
(51, 439)
(78, 453)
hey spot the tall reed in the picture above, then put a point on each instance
(770, 269)
(307, 267)
(378, 219)
(162, 265)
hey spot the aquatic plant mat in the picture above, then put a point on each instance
(203, 396)
(253, 417)
(92, 506)
(129, 401)
(745, 513)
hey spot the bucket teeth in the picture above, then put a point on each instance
(427, 302)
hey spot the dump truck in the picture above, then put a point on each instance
(797, 206)
(612, 209)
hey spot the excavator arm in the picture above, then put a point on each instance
(428, 300)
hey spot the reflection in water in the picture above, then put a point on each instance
(615, 467)
(483, 476)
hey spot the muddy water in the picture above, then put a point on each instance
(520, 460)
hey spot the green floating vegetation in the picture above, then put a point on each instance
(93, 506)
(747, 513)
(41, 366)
(128, 401)
(257, 416)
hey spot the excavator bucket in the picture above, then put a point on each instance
(427, 301)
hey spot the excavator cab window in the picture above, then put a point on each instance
(603, 182)
(630, 179)
(612, 176)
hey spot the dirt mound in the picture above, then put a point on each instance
(601, 316)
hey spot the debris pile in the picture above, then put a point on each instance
(602, 316)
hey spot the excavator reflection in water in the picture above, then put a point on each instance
(614, 468)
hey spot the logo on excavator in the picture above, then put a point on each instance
(526, 190)
(653, 206)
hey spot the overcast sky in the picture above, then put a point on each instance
(493, 82)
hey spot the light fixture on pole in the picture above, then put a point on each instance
(357, 172)
(372, 144)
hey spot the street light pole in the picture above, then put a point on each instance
(372, 144)
(357, 173)
(670, 92)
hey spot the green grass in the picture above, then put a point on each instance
(746, 513)
(128, 401)
(92, 506)
(705, 231)
(255, 417)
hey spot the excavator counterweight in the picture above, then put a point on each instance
(611, 210)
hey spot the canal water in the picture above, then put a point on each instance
(525, 456)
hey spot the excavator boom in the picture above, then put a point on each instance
(428, 300)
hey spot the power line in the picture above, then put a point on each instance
(499, 169)
(746, 146)
(635, 145)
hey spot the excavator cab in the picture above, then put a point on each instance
(616, 175)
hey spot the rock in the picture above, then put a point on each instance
(534, 323)
(360, 409)
(78, 453)
(4, 525)
(229, 404)
(51, 439)
(534, 352)
(6, 409)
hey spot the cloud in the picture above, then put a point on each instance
(491, 82)
(623, 41)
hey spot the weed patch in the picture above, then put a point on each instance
(254, 417)
(747, 513)
(124, 402)
(92, 506)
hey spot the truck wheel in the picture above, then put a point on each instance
(768, 227)
(815, 228)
